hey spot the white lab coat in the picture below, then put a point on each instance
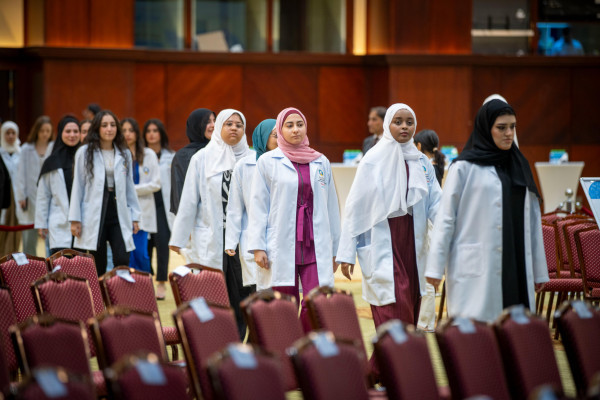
(272, 218)
(236, 228)
(149, 183)
(200, 214)
(467, 242)
(374, 247)
(28, 172)
(11, 162)
(87, 195)
(166, 158)
(52, 209)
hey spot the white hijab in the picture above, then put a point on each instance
(220, 156)
(15, 147)
(379, 190)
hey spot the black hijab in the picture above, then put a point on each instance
(195, 127)
(62, 156)
(481, 149)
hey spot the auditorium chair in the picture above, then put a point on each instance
(241, 369)
(5, 384)
(587, 242)
(7, 319)
(19, 279)
(205, 328)
(198, 281)
(49, 383)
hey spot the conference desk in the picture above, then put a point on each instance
(343, 176)
(555, 179)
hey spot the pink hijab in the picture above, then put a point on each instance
(299, 153)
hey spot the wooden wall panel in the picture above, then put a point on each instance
(440, 98)
(111, 23)
(149, 92)
(268, 89)
(585, 126)
(215, 87)
(67, 22)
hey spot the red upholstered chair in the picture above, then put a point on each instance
(138, 296)
(329, 368)
(550, 235)
(579, 326)
(552, 217)
(587, 242)
(404, 362)
(569, 234)
(472, 359)
(145, 377)
(7, 319)
(334, 310)
(81, 265)
(76, 386)
(235, 380)
(4, 374)
(19, 279)
(119, 331)
(273, 324)
(203, 335)
(45, 340)
(66, 297)
(200, 281)
(527, 352)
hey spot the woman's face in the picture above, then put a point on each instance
(85, 127)
(374, 123)
(10, 136)
(402, 127)
(45, 133)
(152, 135)
(210, 127)
(294, 129)
(129, 133)
(503, 131)
(233, 130)
(272, 141)
(108, 129)
(71, 135)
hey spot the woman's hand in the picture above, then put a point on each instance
(136, 227)
(43, 233)
(261, 259)
(76, 229)
(347, 270)
(175, 249)
(230, 252)
(434, 282)
(23, 204)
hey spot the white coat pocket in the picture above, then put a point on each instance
(468, 262)
(202, 240)
(365, 258)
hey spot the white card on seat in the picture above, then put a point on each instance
(56, 269)
(397, 333)
(126, 275)
(151, 373)
(202, 310)
(50, 384)
(242, 356)
(517, 314)
(465, 325)
(325, 344)
(581, 309)
(182, 270)
(20, 258)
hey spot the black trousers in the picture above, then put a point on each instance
(160, 240)
(110, 231)
(236, 289)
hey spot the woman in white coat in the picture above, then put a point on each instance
(394, 195)
(146, 177)
(33, 154)
(488, 232)
(54, 187)
(104, 205)
(203, 205)
(294, 217)
(264, 139)
(155, 136)
(10, 151)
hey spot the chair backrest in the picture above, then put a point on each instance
(273, 324)
(194, 280)
(587, 242)
(44, 340)
(579, 327)
(527, 352)
(550, 237)
(205, 328)
(49, 383)
(242, 369)
(143, 376)
(4, 374)
(472, 359)
(552, 217)
(334, 310)
(119, 331)
(138, 295)
(7, 319)
(19, 279)
(329, 368)
(569, 234)
(81, 265)
(404, 362)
